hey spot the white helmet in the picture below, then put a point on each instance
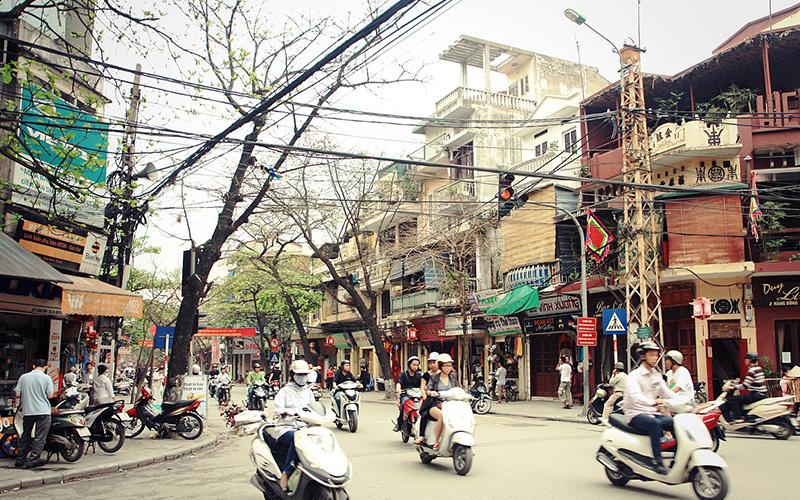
(675, 356)
(196, 369)
(444, 358)
(299, 367)
(433, 356)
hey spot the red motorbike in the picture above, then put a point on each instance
(408, 427)
(174, 416)
(710, 414)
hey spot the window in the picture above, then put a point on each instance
(512, 89)
(571, 141)
(541, 149)
(523, 86)
(462, 156)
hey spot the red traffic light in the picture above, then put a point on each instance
(506, 194)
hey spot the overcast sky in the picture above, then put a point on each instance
(675, 34)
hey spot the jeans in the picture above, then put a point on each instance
(654, 425)
(287, 438)
(565, 393)
(33, 444)
(737, 402)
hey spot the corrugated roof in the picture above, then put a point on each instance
(18, 262)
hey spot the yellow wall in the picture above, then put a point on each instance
(528, 233)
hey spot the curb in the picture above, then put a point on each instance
(7, 485)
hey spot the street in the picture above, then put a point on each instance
(516, 458)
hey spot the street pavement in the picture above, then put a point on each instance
(515, 458)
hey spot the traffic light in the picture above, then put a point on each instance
(505, 195)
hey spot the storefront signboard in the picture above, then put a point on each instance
(481, 301)
(560, 304)
(503, 325)
(778, 293)
(29, 297)
(194, 387)
(54, 352)
(547, 325)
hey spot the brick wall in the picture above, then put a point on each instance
(706, 230)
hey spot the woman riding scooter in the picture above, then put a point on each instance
(443, 381)
(292, 397)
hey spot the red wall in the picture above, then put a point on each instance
(765, 328)
(689, 218)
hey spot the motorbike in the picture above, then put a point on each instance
(481, 402)
(346, 412)
(105, 426)
(316, 389)
(258, 400)
(766, 416)
(626, 453)
(598, 401)
(322, 471)
(512, 391)
(67, 436)
(457, 438)
(700, 395)
(212, 387)
(123, 386)
(408, 427)
(223, 393)
(274, 387)
(175, 416)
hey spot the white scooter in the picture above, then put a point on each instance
(346, 411)
(626, 454)
(457, 438)
(322, 470)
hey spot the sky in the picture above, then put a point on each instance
(676, 35)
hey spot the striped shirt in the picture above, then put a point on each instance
(755, 381)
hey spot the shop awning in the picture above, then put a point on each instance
(340, 340)
(93, 297)
(18, 262)
(517, 300)
(362, 338)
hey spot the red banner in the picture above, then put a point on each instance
(226, 332)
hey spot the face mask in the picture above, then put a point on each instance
(301, 379)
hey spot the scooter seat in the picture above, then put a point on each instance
(760, 402)
(62, 413)
(92, 408)
(619, 422)
(278, 449)
(168, 406)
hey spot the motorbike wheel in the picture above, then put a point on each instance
(462, 459)
(133, 427)
(195, 423)
(425, 458)
(514, 396)
(10, 445)
(616, 478)
(483, 406)
(352, 421)
(592, 416)
(785, 430)
(76, 441)
(709, 483)
(319, 492)
(700, 397)
(714, 441)
(260, 405)
(116, 429)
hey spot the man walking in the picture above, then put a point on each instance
(500, 375)
(34, 387)
(565, 384)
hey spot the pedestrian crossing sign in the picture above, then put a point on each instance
(274, 357)
(615, 321)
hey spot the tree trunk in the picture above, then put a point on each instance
(301, 329)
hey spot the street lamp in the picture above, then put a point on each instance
(579, 19)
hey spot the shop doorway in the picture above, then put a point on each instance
(544, 358)
(725, 362)
(787, 342)
(679, 335)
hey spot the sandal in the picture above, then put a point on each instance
(435, 446)
(419, 440)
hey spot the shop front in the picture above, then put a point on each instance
(433, 337)
(777, 318)
(507, 344)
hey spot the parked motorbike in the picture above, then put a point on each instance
(626, 454)
(598, 401)
(512, 391)
(105, 426)
(767, 416)
(175, 416)
(67, 436)
(346, 412)
(316, 389)
(123, 386)
(457, 438)
(700, 395)
(322, 471)
(223, 393)
(481, 402)
(408, 427)
(258, 399)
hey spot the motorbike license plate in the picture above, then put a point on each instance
(84, 432)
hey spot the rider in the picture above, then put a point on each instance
(617, 380)
(223, 378)
(679, 379)
(645, 390)
(214, 371)
(275, 374)
(755, 382)
(291, 398)
(409, 379)
(343, 374)
(254, 376)
(443, 381)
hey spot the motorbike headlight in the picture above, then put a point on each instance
(324, 441)
(350, 393)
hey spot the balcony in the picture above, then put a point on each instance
(606, 165)
(448, 198)
(535, 275)
(417, 300)
(671, 143)
(459, 102)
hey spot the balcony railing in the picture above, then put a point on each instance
(536, 164)
(534, 275)
(696, 134)
(463, 97)
(416, 300)
(457, 191)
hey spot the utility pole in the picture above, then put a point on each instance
(640, 226)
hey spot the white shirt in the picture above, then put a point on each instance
(102, 390)
(312, 377)
(501, 375)
(618, 381)
(224, 378)
(682, 379)
(288, 400)
(643, 387)
(566, 372)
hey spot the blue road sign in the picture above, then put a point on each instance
(274, 357)
(164, 334)
(615, 321)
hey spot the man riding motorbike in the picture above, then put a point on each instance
(679, 379)
(755, 382)
(214, 371)
(409, 379)
(292, 397)
(275, 374)
(618, 380)
(343, 374)
(645, 390)
(255, 375)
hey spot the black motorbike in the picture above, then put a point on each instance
(258, 396)
(481, 402)
(105, 426)
(223, 393)
(601, 395)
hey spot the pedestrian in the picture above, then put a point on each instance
(329, 378)
(618, 380)
(34, 388)
(364, 377)
(565, 381)
(157, 385)
(500, 376)
(102, 389)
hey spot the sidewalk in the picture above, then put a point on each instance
(539, 408)
(137, 452)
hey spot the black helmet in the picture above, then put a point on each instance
(752, 356)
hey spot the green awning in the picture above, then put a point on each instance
(517, 300)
